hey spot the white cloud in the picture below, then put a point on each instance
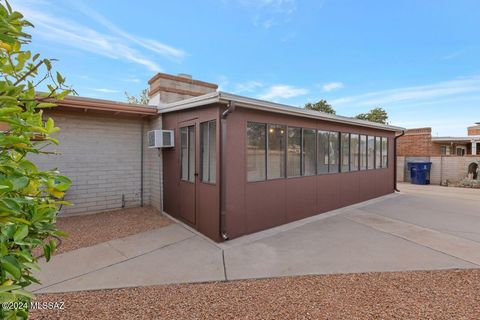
(105, 90)
(332, 86)
(412, 94)
(282, 91)
(115, 44)
(153, 45)
(248, 86)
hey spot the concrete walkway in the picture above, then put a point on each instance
(421, 228)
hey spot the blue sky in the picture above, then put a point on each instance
(418, 59)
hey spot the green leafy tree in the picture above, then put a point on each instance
(29, 198)
(375, 115)
(141, 99)
(322, 106)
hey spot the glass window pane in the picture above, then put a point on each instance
(309, 152)
(354, 151)
(184, 152)
(345, 152)
(191, 153)
(363, 152)
(334, 151)
(256, 151)
(204, 151)
(378, 152)
(322, 157)
(294, 152)
(276, 151)
(208, 151)
(384, 152)
(371, 152)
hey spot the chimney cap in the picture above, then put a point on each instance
(185, 75)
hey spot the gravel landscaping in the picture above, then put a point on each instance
(91, 229)
(449, 294)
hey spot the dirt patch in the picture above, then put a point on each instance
(88, 230)
(450, 294)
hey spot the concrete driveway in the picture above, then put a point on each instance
(422, 228)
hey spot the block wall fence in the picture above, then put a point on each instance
(450, 168)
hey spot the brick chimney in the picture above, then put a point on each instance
(474, 130)
(167, 88)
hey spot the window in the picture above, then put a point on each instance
(322, 157)
(445, 150)
(378, 152)
(363, 152)
(384, 152)
(187, 153)
(371, 152)
(461, 151)
(333, 151)
(354, 151)
(345, 145)
(256, 170)
(208, 150)
(276, 151)
(309, 152)
(294, 152)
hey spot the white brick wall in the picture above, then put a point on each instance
(101, 154)
(400, 169)
(154, 169)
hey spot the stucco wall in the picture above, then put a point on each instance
(101, 154)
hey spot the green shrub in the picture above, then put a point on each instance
(29, 198)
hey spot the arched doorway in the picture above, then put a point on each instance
(473, 170)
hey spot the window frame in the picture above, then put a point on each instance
(301, 153)
(349, 135)
(190, 179)
(246, 151)
(285, 151)
(302, 160)
(208, 123)
(357, 165)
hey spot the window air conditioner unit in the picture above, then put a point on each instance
(160, 139)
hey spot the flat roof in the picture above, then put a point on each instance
(456, 139)
(252, 103)
(106, 105)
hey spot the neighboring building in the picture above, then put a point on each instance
(238, 164)
(451, 157)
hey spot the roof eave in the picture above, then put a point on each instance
(246, 102)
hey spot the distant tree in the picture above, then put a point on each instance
(322, 106)
(141, 99)
(375, 115)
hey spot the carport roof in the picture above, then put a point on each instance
(252, 103)
(114, 107)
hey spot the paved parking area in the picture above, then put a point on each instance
(422, 228)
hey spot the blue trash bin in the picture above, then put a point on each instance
(419, 172)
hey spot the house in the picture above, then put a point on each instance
(451, 157)
(238, 165)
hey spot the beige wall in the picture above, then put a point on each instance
(101, 154)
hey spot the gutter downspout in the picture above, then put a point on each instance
(395, 160)
(141, 165)
(223, 161)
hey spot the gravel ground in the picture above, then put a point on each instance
(450, 294)
(88, 230)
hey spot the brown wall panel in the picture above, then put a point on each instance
(207, 196)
